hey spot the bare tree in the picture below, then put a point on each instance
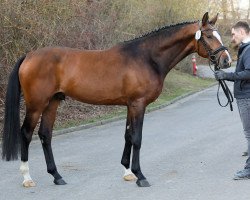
(233, 9)
(248, 11)
(224, 8)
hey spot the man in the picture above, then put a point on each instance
(241, 78)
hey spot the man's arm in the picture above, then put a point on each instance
(232, 76)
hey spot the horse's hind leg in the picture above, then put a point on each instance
(125, 161)
(45, 135)
(27, 129)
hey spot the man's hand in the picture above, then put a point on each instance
(220, 75)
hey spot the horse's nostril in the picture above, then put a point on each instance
(226, 61)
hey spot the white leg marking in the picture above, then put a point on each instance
(24, 168)
(128, 175)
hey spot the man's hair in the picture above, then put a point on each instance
(242, 24)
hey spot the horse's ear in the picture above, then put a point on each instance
(205, 19)
(213, 21)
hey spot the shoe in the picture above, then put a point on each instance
(243, 174)
(244, 153)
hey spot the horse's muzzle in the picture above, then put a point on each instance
(226, 63)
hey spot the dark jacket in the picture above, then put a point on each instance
(241, 76)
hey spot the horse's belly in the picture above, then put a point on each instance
(98, 95)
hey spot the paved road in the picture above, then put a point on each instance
(190, 151)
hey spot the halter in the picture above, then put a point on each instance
(212, 59)
(211, 54)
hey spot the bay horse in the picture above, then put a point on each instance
(129, 74)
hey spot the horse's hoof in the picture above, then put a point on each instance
(129, 177)
(143, 183)
(28, 184)
(60, 182)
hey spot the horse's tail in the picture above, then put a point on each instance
(11, 131)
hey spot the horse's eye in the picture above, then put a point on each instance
(209, 36)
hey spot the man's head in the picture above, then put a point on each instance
(240, 31)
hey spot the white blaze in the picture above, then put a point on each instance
(217, 35)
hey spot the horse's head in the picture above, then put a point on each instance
(209, 44)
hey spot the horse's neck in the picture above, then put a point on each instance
(162, 50)
(172, 50)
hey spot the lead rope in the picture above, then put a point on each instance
(226, 90)
(228, 94)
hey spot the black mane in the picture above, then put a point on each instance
(157, 30)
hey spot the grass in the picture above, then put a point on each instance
(176, 84)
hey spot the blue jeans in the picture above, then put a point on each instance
(244, 111)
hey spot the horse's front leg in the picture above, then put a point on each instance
(136, 113)
(125, 161)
